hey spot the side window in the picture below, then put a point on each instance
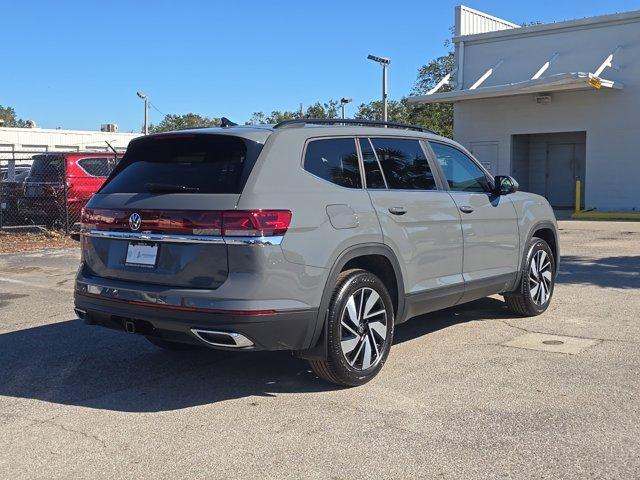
(404, 164)
(335, 160)
(461, 172)
(98, 167)
(372, 171)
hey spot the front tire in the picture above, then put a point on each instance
(537, 281)
(360, 327)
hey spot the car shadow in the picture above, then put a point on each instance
(613, 272)
(70, 363)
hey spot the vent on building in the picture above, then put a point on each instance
(109, 127)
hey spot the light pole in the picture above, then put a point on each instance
(384, 62)
(343, 102)
(146, 111)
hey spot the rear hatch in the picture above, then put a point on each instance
(46, 178)
(157, 219)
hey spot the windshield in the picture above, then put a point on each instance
(184, 163)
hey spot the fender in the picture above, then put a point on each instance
(316, 347)
(537, 226)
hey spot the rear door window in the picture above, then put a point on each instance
(404, 164)
(98, 167)
(202, 163)
(334, 160)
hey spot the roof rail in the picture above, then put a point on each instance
(349, 121)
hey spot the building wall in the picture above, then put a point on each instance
(610, 118)
(42, 139)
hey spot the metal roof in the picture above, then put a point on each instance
(552, 83)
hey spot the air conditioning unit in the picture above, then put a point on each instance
(109, 127)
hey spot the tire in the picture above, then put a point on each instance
(172, 346)
(357, 347)
(537, 282)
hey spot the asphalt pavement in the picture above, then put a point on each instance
(469, 392)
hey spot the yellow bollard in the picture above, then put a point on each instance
(577, 196)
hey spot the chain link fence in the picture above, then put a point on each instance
(49, 189)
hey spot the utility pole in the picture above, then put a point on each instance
(146, 111)
(343, 103)
(384, 61)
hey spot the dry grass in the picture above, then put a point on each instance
(27, 242)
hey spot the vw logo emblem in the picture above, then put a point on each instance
(135, 221)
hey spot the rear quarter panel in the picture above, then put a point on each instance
(279, 181)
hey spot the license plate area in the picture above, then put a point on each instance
(142, 254)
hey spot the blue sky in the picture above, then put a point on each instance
(77, 64)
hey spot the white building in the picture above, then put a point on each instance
(551, 103)
(21, 143)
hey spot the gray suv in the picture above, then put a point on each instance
(315, 236)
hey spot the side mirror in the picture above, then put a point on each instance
(504, 185)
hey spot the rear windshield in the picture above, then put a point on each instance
(47, 166)
(190, 163)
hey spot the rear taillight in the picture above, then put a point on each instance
(255, 223)
(230, 223)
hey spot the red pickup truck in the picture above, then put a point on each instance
(81, 174)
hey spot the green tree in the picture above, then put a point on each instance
(188, 120)
(317, 110)
(436, 116)
(8, 118)
(323, 110)
(397, 111)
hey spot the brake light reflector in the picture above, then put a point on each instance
(255, 223)
(231, 223)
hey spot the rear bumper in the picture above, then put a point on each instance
(281, 330)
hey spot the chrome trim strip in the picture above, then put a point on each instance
(239, 340)
(174, 238)
(253, 240)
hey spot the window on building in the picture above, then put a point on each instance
(404, 164)
(372, 170)
(334, 160)
(462, 173)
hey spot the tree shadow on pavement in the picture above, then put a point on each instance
(70, 363)
(614, 272)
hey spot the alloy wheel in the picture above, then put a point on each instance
(540, 277)
(363, 330)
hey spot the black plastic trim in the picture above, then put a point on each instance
(349, 254)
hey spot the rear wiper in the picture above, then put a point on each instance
(168, 188)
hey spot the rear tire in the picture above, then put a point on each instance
(172, 346)
(537, 281)
(359, 330)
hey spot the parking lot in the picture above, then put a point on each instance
(470, 392)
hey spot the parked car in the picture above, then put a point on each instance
(314, 238)
(11, 192)
(81, 174)
(18, 170)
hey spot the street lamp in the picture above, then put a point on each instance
(384, 62)
(343, 102)
(146, 111)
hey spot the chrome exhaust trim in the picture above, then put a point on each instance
(237, 339)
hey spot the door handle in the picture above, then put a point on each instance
(397, 210)
(466, 209)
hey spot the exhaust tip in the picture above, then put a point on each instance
(223, 339)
